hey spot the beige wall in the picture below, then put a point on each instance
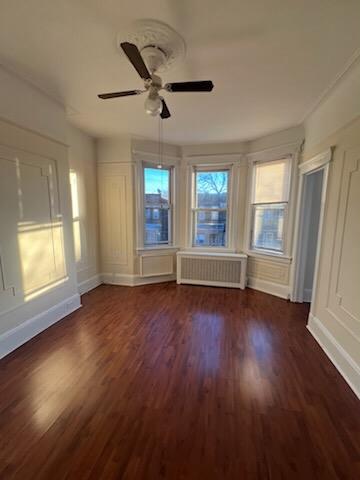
(38, 278)
(82, 161)
(37, 258)
(116, 186)
(335, 313)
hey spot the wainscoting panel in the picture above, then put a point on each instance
(32, 257)
(343, 295)
(116, 217)
(156, 264)
(268, 270)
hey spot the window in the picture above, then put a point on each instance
(210, 208)
(270, 198)
(157, 205)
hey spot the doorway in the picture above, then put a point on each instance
(311, 206)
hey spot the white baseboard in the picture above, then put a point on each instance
(276, 289)
(19, 335)
(346, 366)
(134, 280)
(307, 295)
(89, 284)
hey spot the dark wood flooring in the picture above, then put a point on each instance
(177, 382)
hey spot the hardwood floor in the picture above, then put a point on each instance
(177, 382)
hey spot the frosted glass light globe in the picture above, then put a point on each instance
(153, 105)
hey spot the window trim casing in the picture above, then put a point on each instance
(170, 208)
(207, 167)
(151, 160)
(288, 217)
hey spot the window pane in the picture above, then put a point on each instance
(157, 203)
(271, 182)
(210, 228)
(268, 227)
(156, 226)
(211, 189)
(156, 186)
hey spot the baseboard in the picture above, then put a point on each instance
(19, 335)
(276, 289)
(307, 295)
(89, 284)
(134, 280)
(346, 366)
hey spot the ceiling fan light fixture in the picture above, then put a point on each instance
(153, 105)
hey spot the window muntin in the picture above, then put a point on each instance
(157, 206)
(269, 205)
(210, 208)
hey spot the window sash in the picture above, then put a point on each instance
(286, 192)
(194, 226)
(254, 247)
(195, 208)
(169, 206)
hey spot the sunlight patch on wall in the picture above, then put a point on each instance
(76, 215)
(41, 257)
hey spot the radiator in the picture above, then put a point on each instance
(216, 269)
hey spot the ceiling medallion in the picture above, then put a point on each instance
(158, 43)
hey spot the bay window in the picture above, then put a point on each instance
(269, 205)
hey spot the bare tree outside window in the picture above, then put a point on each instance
(210, 209)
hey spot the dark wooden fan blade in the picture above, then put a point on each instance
(165, 113)
(201, 86)
(133, 54)
(126, 93)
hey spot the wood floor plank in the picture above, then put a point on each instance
(177, 382)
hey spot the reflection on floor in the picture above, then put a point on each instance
(177, 382)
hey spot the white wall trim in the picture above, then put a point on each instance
(265, 286)
(320, 161)
(89, 284)
(128, 280)
(307, 295)
(349, 66)
(345, 364)
(317, 162)
(19, 335)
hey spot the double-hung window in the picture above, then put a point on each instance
(157, 206)
(269, 204)
(210, 208)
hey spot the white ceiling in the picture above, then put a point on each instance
(270, 61)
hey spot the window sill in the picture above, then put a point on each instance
(210, 250)
(271, 255)
(157, 248)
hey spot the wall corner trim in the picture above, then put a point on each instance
(89, 284)
(345, 364)
(14, 338)
(272, 288)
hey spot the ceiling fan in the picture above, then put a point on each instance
(154, 104)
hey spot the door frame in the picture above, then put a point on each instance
(315, 164)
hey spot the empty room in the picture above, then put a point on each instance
(179, 240)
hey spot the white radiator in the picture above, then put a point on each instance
(216, 269)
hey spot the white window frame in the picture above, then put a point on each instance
(287, 212)
(147, 160)
(193, 208)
